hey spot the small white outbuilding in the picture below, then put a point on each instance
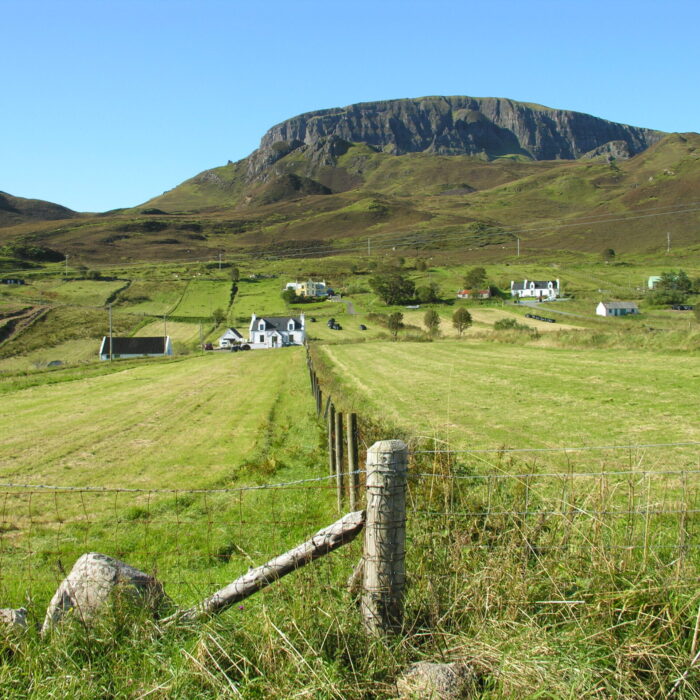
(616, 308)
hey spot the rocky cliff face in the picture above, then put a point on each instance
(490, 127)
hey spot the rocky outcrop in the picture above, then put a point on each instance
(489, 127)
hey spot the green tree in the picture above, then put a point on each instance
(393, 287)
(461, 320)
(675, 281)
(475, 279)
(429, 293)
(235, 274)
(431, 321)
(289, 296)
(218, 316)
(395, 323)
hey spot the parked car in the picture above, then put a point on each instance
(208, 346)
(245, 346)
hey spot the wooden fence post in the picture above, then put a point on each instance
(384, 573)
(339, 458)
(353, 476)
(331, 438)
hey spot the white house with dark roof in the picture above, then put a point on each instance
(230, 338)
(535, 289)
(276, 331)
(135, 347)
(616, 308)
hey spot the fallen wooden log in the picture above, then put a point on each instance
(324, 541)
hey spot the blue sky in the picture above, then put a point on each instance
(106, 103)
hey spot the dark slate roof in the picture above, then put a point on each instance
(134, 346)
(233, 332)
(539, 284)
(280, 323)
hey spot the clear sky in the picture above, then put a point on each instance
(106, 103)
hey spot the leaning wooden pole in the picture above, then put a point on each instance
(384, 574)
(324, 541)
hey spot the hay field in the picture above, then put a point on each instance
(490, 395)
(128, 427)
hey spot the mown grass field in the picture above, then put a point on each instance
(202, 297)
(486, 395)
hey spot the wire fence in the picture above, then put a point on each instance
(508, 530)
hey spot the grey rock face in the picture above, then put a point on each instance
(431, 681)
(447, 126)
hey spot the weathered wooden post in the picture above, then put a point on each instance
(384, 573)
(353, 476)
(331, 437)
(339, 475)
(319, 400)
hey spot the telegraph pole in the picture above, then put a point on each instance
(668, 241)
(110, 332)
(65, 274)
(517, 238)
(369, 247)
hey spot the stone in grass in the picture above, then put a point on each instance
(13, 618)
(93, 579)
(430, 681)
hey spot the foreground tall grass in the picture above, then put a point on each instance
(548, 585)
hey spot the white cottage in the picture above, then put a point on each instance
(535, 289)
(230, 338)
(616, 308)
(276, 331)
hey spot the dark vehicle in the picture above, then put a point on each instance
(245, 347)
(331, 322)
(235, 348)
(363, 327)
(682, 307)
(337, 327)
(208, 346)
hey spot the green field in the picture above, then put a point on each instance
(202, 297)
(485, 395)
(155, 297)
(57, 291)
(571, 570)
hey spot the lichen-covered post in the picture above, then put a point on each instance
(352, 458)
(331, 439)
(339, 475)
(385, 537)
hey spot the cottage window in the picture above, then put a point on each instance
(261, 326)
(262, 338)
